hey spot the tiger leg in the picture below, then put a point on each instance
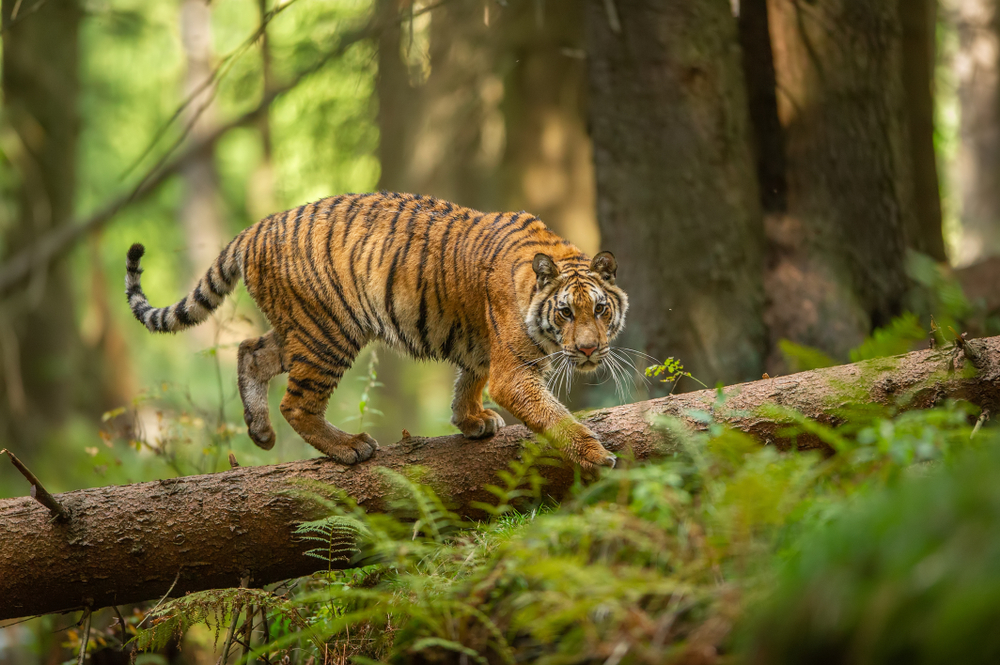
(259, 361)
(467, 409)
(311, 381)
(523, 393)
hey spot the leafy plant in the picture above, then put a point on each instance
(671, 371)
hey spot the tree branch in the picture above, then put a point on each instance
(38, 256)
(126, 544)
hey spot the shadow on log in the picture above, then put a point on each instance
(131, 543)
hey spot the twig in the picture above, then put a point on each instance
(983, 417)
(967, 349)
(16, 18)
(38, 491)
(232, 461)
(217, 74)
(267, 635)
(85, 637)
(229, 635)
(165, 596)
(121, 624)
(247, 631)
(613, 21)
(20, 266)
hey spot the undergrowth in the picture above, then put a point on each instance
(654, 563)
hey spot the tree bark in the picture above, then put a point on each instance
(677, 197)
(919, 20)
(838, 270)
(39, 340)
(131, 543)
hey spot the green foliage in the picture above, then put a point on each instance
(212, 608)
(646, 564)
(901, 336)
(670, 371)
(910, 576)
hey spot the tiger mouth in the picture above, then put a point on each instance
(585, 364)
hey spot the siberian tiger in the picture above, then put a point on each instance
(499, 295)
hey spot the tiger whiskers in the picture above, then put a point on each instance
(538, 360)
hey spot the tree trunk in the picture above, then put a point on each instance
(977, 172)
(677, 200)
(758, 70)
(919, 20)
(39, 340)
(547, 165)
(131, 543)
(200, 213)
(839, 267)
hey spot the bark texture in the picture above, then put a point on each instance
(677, 196)
(838, 266)
(130, 543)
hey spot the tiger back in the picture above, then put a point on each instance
(498, 294)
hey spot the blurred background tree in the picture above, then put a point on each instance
(778, 179)
(763, 170)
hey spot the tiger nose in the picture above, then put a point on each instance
(586, 350)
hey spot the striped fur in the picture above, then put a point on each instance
(497, 294)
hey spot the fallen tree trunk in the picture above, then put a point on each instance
(135, 542)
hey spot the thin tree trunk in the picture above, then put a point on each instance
(919, 20)
(758, 70)
(200, 212)
(39, 340)
(977, 171)
(132, 543)
(260, 194)
(677, 197)
(839, 270)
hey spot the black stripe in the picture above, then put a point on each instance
(390, 234)
(180, 311)
(422, 324)
(500, 244)
(455, 329)
(200, 298)
(391, 308)
(487, 243)
(306, 307)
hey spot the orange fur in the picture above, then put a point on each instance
(498, 294)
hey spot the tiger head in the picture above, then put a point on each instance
(577, 310)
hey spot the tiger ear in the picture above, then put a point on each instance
(604, 264)
(545, 268)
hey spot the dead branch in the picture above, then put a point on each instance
(126, 544)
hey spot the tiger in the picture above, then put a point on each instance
(498, 294)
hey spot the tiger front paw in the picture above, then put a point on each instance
(357, 449)
(586, 450)
(484, 424)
